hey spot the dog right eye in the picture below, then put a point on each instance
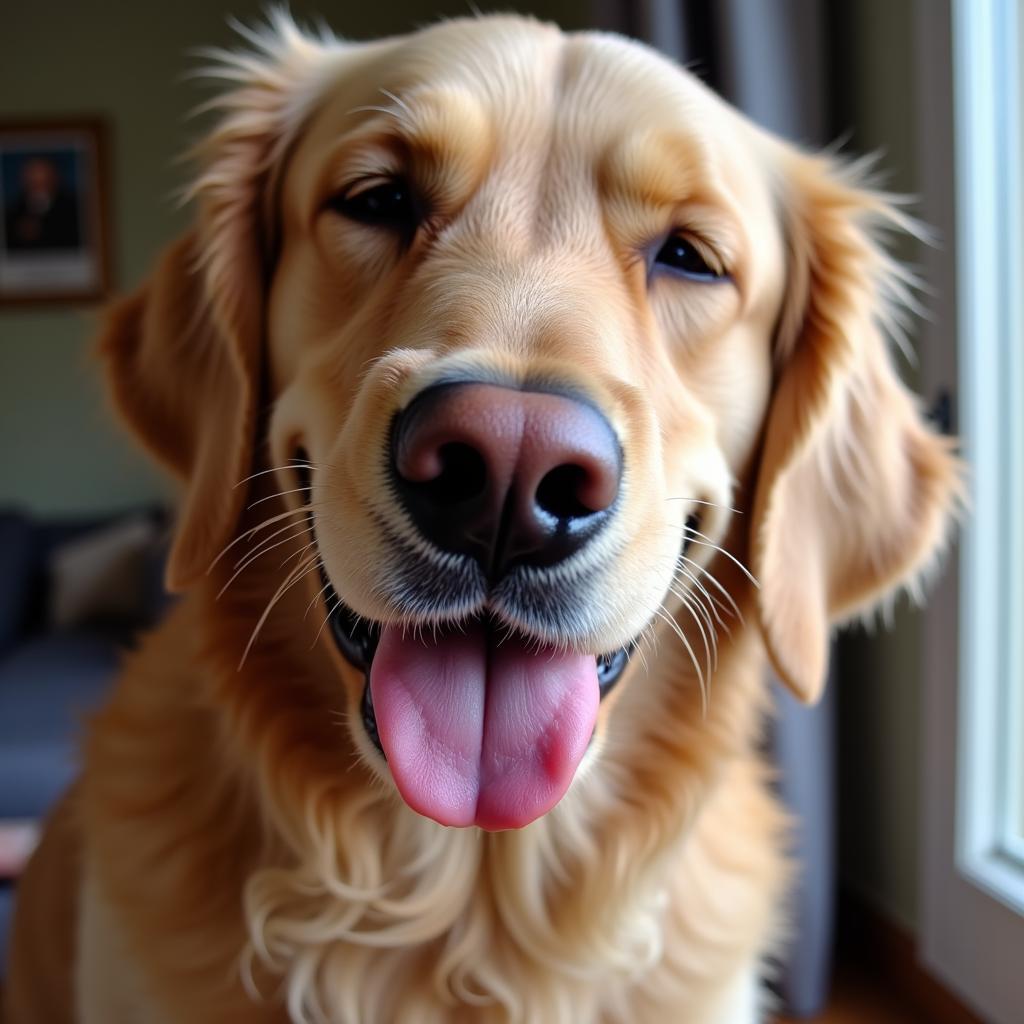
(386, 204)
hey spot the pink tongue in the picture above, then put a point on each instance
(479, 730)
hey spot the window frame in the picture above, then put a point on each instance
(972, 894)
(987, 112)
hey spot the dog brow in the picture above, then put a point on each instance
(658, 169)
(442, 128)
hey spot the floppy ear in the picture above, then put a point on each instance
(183, 354)
(854, 490)
(188, 389)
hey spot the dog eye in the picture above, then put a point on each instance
(682, 256)
(387, 204)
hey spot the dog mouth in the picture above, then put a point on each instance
(357, 638)
(479, 725)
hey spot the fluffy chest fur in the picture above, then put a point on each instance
(224, 807)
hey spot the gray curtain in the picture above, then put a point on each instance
(770, 59)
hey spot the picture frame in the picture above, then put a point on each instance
(54, 230)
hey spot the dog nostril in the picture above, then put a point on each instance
(559, 493)
(463, 475)
(505, 475)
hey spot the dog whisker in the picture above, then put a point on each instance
(697, 607)
(713, 580)
(711, 504)
(264, 544)
(709, 645)
(259, 554)
(327, 618)
(256, 529)
(641, 640)
(706, 541)
(295, 464)
(713, 605)
(648, 639)
(296, 554)
(678, 630)
(298, 573)
(699, 613)
(316, 597)
(686, 594)
(276, 494)
(694, 536)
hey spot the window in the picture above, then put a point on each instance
(973, 855)
(989, 228)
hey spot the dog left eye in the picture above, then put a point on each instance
(387, 204)
(680, 254)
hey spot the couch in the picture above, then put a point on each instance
(60, 646)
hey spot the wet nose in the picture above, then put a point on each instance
(509, 477)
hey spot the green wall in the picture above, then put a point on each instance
(124, 61)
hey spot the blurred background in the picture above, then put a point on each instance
(909, 778)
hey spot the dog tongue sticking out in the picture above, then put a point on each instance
(480, 730)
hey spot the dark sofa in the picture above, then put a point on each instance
(52, 677)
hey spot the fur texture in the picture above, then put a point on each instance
(241, 848)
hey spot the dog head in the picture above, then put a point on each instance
(524, 320)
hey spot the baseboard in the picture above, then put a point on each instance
(885, 948)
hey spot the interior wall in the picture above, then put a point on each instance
(879, 671)
(126, 62)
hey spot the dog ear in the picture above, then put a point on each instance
(183, 354)
(187, 387)
(854, 490)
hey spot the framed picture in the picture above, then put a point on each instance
(54, 244)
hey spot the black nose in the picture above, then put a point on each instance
(510, 477)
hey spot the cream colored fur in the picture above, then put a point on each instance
(248, 856)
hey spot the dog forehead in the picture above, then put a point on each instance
(541, 128)
(532, 88)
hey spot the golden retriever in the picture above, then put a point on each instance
(495, 359)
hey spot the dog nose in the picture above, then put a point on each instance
(506, 476)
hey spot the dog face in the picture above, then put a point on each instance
(534, 315)
(476, 258)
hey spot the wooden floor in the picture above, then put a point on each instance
(859, 998)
